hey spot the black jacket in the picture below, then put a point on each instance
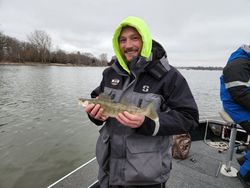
(142, 156)
(177, 111)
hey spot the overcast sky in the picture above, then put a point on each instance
(193, 32)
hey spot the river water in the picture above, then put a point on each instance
(45, 134)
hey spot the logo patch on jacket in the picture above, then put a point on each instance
(145, 88)
(115, 81)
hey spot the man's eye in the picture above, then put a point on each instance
(122, 40)
(135, 38)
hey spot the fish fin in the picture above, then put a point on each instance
(107, 98)
(104, 97)
(151, 111)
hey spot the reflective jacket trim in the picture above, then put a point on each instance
(157, 127)
(237, 83)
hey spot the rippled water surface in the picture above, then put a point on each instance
(44, 133)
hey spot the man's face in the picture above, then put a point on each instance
(130, 43)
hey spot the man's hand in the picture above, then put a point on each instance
(130, 120)
(95, 111)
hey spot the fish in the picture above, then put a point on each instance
(112, 109)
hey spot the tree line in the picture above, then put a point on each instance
(37, 49)
(201, 68)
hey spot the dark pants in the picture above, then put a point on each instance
(139, 186)
(245, 166)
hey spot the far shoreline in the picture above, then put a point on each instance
(44, 64)
(81, 65)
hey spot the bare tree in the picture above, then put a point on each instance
(1, 45)
(42, 43)
(103, 59)
(61, 56)
(88, 59)
(9, 49)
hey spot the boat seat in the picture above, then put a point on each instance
(227, 169)
(226, 117)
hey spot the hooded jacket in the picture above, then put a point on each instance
(142, 156)
(235, 85)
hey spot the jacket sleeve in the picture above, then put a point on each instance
(236, 78)
(180, 114)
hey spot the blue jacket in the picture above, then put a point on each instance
(235, 85)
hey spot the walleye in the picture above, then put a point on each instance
(112, 109)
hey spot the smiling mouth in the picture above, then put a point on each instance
(131, 52)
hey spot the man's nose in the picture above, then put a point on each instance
(129, 43)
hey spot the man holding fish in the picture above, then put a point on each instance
(141, 102)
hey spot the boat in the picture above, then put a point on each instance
(211, 162)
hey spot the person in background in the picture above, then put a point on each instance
(134, 151)
(235, 96)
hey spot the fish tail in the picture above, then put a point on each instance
(151, 111)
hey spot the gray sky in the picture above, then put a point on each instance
(193, 32)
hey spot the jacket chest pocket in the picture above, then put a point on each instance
(113, 94)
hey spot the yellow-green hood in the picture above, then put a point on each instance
(143, 30)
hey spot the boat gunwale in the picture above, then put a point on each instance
(67, 175)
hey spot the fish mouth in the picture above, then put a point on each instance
(83, 102)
